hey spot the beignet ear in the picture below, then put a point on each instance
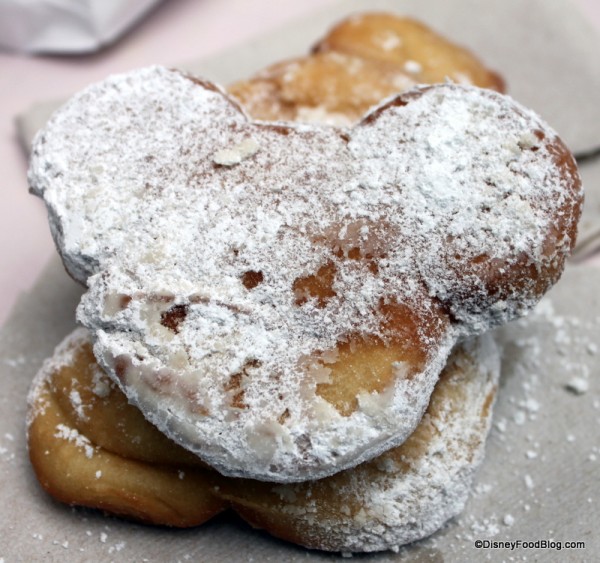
(490, 194)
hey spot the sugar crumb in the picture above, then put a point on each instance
(577, 385)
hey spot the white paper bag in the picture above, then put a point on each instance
(66, 26)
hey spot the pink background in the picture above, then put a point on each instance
(177, 31)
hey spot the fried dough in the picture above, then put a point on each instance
(89, 447)
(360, 62)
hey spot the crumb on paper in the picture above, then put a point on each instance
(577, 385)
(519, 418)
(488, 526)
(482, 489)
(14, 362)
(116, 548)
(64, 545)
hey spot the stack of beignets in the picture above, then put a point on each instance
(280, 299)
(89, 447)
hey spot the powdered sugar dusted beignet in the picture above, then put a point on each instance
(281, 298)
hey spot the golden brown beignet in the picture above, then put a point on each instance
(360, 62)
(89, 447)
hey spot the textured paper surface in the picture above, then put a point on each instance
(540, 477)
(589, 226)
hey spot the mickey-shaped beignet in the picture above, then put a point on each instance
(281, 298)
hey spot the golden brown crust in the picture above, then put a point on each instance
(398, 40)
(99, 451)
(362, 60)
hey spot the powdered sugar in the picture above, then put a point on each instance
(63, 356)
(78, 406)
(73, 435)
(402, 510)
(444, 193)
(405, 495)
